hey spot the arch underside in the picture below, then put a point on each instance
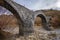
(14, 12)
(44, 21)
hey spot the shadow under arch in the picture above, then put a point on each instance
(44, 21)
(14, 12)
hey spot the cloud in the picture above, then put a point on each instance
(37, 4)
(58, 4)
(43, 4)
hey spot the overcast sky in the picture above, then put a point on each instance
(35, 5)
(39, 4)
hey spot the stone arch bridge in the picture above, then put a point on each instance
(24, 15)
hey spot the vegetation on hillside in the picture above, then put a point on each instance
(55, 17)
(7, 22)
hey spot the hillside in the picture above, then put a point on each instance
(8, 26)
(55, 17)
(9, 21)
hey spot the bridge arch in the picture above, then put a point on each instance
(43, 19)
(10, 8)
